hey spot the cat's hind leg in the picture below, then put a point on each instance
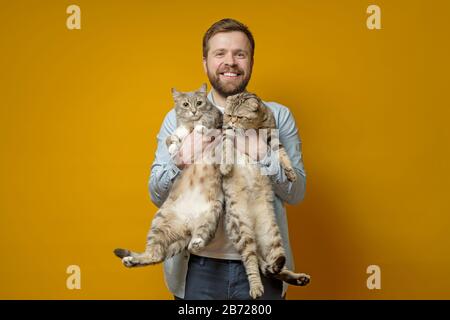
(167, 232)
(270, 244)
(205, 231)
(240, 232)
(133, 259)
(296, 279)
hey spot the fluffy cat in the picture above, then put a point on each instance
(190, 215)
(250, 218)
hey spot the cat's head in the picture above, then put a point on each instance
(191, 105)
(244, 111)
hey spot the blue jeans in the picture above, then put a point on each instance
(220, 279)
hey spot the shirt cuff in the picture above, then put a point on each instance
(172, 169)
(270, 166)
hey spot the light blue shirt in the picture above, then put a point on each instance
(164, 172)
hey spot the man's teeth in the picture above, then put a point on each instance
(229, 74)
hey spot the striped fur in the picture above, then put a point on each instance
(250, 218)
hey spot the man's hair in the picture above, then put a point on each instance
(227, 25)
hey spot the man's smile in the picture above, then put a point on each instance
(229, 75)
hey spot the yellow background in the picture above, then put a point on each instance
(80, 110)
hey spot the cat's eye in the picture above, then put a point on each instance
(199, 103)
(185, 104)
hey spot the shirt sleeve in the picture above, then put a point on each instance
(290, 192)
(163, 170)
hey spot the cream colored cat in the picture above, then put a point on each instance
(190, 215)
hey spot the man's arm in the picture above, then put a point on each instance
(290, 192)
(164, 170)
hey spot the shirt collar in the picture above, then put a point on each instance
(211, 99)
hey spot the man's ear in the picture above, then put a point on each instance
(251, 64)
(204, 65)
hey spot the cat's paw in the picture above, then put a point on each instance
(290, 174)
(130, 262)
(303, 279)
(173, 148)
(196, 244)
(225, 169)
(256, 290)
(200, 129)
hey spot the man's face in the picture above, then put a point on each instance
(229, 63)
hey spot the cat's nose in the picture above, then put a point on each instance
(194, 112)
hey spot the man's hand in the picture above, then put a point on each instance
(194, 147)
(252, 145)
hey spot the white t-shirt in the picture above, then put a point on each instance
(220, 246)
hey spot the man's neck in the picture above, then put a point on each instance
(218, 99)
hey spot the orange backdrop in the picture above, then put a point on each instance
(80, 110)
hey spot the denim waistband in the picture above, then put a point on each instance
(202, 259)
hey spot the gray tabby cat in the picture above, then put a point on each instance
(190, 215)
(250, 218)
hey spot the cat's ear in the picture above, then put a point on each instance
(268, 119)
(203, 88)
(253, 104)
(175, 94)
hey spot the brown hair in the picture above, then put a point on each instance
(227, 25)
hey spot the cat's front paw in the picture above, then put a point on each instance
(225, 169)
(173, 149)
(290, 174)
(196, 244)
(256, 290)
(200, 129)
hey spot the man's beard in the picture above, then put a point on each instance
(229, 88)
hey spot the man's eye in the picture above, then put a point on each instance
(185, 104)
(199, 103)
(241, 55)
(220, 54)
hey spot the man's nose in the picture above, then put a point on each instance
(229, 60)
